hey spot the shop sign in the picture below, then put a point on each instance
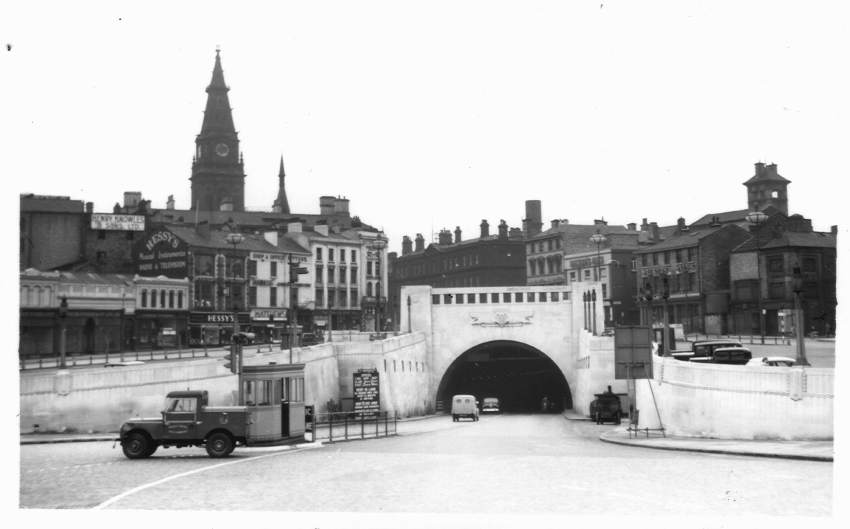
(161, 252)
(266, 256)
(104, 221)
(168, 331)
(265, 314)
(225, 318)
(366, 391)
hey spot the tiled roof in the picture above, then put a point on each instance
(251, 242)
(682, 240)
(789, 239)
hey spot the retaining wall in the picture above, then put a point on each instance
(738, 402)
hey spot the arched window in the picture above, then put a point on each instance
(162, 299)
(144, 297)
(369, 288)
(170, 299)
(180, 299)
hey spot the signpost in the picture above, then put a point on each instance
(366, 392)
(632, 361)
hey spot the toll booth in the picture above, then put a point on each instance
(274, 395)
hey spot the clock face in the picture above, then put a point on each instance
(222, 149)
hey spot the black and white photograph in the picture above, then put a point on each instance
(425, 264)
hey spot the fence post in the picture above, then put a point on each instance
(346, 427)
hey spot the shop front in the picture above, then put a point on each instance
(160, 330)
(216, 328)
(268, 324)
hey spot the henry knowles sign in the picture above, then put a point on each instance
(106, 221)
(366, 395)
(161, 252)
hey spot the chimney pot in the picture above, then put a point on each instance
(457, 234)
(485, 229)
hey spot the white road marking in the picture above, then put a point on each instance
(124, 494)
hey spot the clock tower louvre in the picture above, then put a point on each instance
(218, 174)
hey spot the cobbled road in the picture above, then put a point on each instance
(501, 464)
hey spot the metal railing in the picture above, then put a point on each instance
(743, 338)
(119, 357)
(344, 426)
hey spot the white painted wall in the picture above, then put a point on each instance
(738, 402)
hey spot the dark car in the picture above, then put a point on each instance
(606, 407)
(726, 355)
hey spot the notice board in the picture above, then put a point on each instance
(366, 391)
(632, 352)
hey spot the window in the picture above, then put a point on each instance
(459, 299)
(273, 297)
(604, 290)
(506, 297)
(775, 265)
(692, 253)
(518, 297)
(566, 296)
(542, 296)
(482, 298)
(353, 275)
(368, 268)
(531, 297)
(101, 257)
(776, 290)
(180, 299)
(553, 296)
(644, 260)
(435, 299)
(319, 275)
(678, 256)
(203, 265)
(494, 297)
(353, 294)
(447, 299)
(342, 255)
(101, 234)
(320, 297)
(353, 256)
(655, 258)
(252, 267)
(330, 254)
(587, 274)
(162, 299)
(274, 269)
(368, 289)
(170, 299)
(470, 298)
(331, 275)
(144, 298)
(318, 254)
(252, 296)
(572, 276)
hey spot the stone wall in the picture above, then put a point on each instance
(99, 399)
(738, 402)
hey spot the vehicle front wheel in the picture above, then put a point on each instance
(137, 446)
(219, 444)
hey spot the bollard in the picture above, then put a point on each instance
(346, 427)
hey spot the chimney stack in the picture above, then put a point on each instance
(680, 223)
(555, 223)
(445, 237)
(89, 207)
(341, 206)
(503, 229)
(203, 229)
(533, 222)
(420, 242)
(631, 226)
(833, 229)
(327, 205)
(132, 199)
(759, 169)
(600, 222)
(457, 234)
(515, 233)
(644, 226)
(653, 228)
(169, 204)
(406, 245)
(485, 229)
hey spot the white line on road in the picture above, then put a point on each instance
(123, 495)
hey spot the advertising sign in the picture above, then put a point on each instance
(161, 253)
(632, 352)
(108, 221)
(366, 392)
(268, 314)
(200, 318)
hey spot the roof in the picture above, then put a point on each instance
(447, 248)
(682, 240)
(50, 204)
(790, 239)
(724, 217)
(79, 277)
(251, 219)
(251, 242)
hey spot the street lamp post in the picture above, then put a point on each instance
(63, 313)
(757, 218)
(798, 317)
(378, 245)
(598, 239)
(409, 328)
(665, 325)
(235, 239)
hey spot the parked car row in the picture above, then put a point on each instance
(729, 352)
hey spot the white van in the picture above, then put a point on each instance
(464, 406)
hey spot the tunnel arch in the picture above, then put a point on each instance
(519, 374)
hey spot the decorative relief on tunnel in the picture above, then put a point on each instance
(501, 319)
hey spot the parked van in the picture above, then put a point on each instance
(464, 406)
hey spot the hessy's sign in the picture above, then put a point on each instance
(161, 253)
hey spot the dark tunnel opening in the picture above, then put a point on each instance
(520, 376)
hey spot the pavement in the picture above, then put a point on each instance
(807, 450)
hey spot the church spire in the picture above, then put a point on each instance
(218, 117)
(281, 204)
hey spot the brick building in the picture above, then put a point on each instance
(488, 260)
(764, 265)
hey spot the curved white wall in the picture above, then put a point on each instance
(738, 402)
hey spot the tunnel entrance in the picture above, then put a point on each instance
(519, 375)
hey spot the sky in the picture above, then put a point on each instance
(431, 115)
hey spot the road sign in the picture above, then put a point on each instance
(366, 391)
(632, 352)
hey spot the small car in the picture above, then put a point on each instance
(772, 361)
(490, 405)
(726, 355)
(704, 349)
(464, 406)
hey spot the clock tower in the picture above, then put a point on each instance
(217, 172)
